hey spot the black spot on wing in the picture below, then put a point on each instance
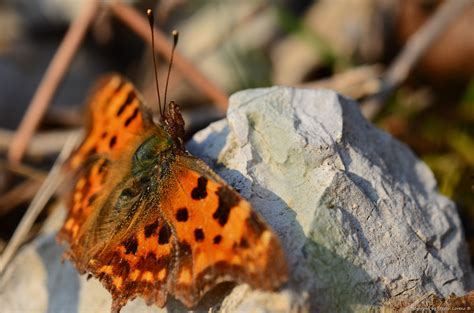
(131, 117)
(185, 250)
(131, 246)
(150, 229)
(217, 239)
(198, 234)
(200, 191)
(92, 198)
(244, 243)
(182, 215)
(153, 264)
(121, 268)
(104, 134)
(130, 97)
(103, 166)
(164, 235)
(113, 141)
(227, 200)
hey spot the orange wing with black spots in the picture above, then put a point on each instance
(137, 266)
(201, 233)
(219, 236)
(149, 220)
(115, 120)
(86, 191)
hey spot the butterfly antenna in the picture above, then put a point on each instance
(175, 34)
(149, 12)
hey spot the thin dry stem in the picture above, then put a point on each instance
(47, 189)
(356, 83)
(51, 80)
(42, 144)
(23, 170)
(18, 195)
(415, 48)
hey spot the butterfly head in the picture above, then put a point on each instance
(173, 123)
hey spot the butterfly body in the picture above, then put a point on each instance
(148, 219)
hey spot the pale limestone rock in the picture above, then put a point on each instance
(358, 213)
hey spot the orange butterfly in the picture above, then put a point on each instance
(148, 219)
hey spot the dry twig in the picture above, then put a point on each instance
(23, 170)
(23, 192)
(139, 24)
(41, 144)
(18, 195)
(355, 83)
(64, 116)
(51, 80)
(47, 189)
(416, 46)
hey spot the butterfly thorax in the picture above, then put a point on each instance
(153, 151)
(150, 168)
(153, 158)
(155, 154)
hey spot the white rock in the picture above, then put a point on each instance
(358, 214)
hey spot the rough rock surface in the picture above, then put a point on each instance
(359, 215)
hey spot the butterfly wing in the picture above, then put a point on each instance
(116, 118)
(117, 122)
(219, 236)
(137, 265)
(196, 233)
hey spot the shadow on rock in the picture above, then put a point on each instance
(62, 280)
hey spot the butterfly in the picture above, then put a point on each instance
(150, 220)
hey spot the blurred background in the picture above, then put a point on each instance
(351, 46)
